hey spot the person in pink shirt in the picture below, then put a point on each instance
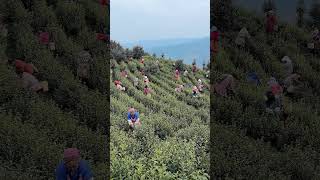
(147, 90)
(177, 74)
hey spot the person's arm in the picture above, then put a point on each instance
(129, 117)
(86, 172)
(61, 173)
(34, 68)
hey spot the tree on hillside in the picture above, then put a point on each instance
(162, 55)
(222, 14)
(180, 65)
(194, 62)
(117, 52)
(137, 52)
(315, 13)
(300, 12)
(204, 65)
(154, 55)
(128, 53)
(268, 5)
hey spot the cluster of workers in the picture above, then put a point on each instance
(290, 85)
(28, 72)
(124, 73)
(133, 115)
(196, 89)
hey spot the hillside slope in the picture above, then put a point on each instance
(276, 151)
(36, 128)
(172, 142)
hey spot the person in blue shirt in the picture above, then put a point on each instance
(72, 167)
(252, 77)
(133, 118)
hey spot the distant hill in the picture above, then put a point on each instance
(183, 48)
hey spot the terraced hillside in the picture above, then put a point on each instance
(266, 148)
(172, 142)
(36, 128)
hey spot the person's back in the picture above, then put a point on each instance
(146, 90)
(194, 68)
(185, 73)
(146, 80)
(195, 91)
(135, 81)
(316, 35)
(271, 22)
(44, 37)
(83, 172)
(253, 78)
(273, 104)
(287, 64)
(242, 37)
(20, 65)
(30, 82)
(227, 84)
(116, 82)
(83, 70)
(214, 40)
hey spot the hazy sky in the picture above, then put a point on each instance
(133, 20)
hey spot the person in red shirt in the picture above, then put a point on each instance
(195, 91)
(44, 37)
(119, 85)
(194, 68)
(102, 37)
(124, 73)
(22, 66)
(271, 22)
(104, 2)
(214, 39)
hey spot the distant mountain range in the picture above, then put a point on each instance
(286, 9)
(186, 49)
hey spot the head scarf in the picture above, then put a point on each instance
(71, 153)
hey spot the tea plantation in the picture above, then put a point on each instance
(172, 142)
(36, 128)
(260, 146)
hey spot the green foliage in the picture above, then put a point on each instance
(137, 52)
(72, 16)
(180, 65)
(117, 52)
(37, 127)
(222, 14)
(172, 141)
(151, 68)
(315, 13)
(254, 144)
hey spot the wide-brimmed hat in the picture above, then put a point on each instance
(285, 59)
(214, 28)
